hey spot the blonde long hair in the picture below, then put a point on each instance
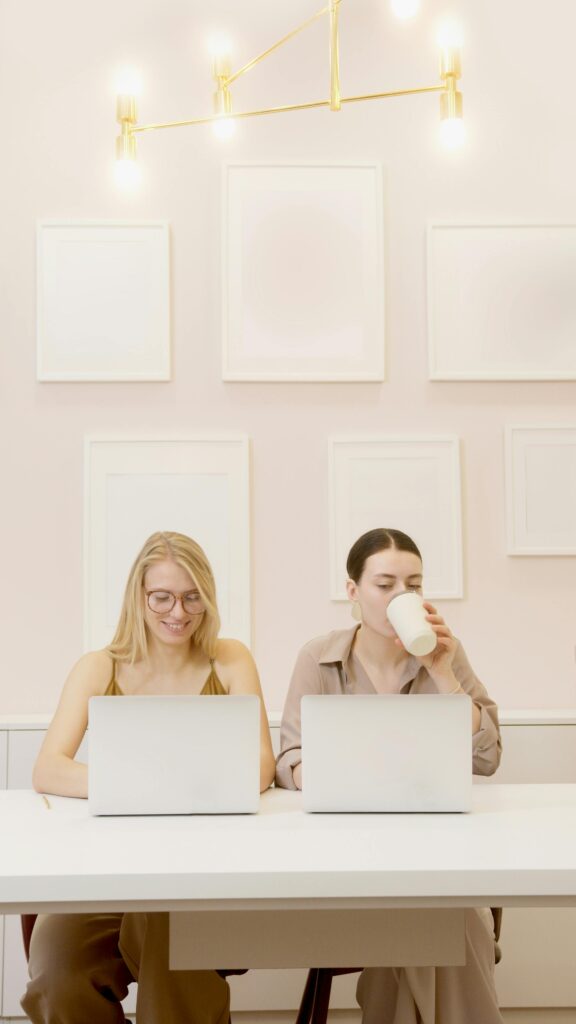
(130, 641)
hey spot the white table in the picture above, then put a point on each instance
(516, 848)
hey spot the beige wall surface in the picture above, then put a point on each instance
(57, 64)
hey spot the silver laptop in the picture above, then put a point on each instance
(387, 752)
(174, 755)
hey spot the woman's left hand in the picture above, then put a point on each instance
(439, 661)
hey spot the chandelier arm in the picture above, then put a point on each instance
(390, 95)
(231, 116)
(256, 60)
(286, 109)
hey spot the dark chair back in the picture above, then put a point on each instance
(27, 921)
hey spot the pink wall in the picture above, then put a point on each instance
(56, 72)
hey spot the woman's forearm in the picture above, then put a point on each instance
(451, 685)
(267, 769)
(476, 718)
(60, 775)
(476, 713)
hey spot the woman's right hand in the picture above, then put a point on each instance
(55, 770)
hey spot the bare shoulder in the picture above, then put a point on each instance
(232, 652)
(236, 667)
(92, 672)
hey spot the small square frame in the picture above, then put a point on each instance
(400, 482)
(541, 490)
(501, 301)
(103, 301)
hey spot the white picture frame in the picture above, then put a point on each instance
(501, 301)
(303, 272)
(103, 301)
(134, 486)
(400, 482)
(541, 490)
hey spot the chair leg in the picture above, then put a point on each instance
(308, 996)
(316, 997)
(322, 998)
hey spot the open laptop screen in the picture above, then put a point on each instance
(174, 755)
(397, 752)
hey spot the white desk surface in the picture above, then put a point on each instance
(517, 847)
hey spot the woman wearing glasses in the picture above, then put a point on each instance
(370, 659)
(166, 642)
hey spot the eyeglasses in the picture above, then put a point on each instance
(162, 601)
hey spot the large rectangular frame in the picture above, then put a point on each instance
(267, 267)
(538, 486)
(501, 301)
(197, 485)
(421, 497)
(103, 301)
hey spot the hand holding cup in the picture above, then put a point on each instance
(408, 618)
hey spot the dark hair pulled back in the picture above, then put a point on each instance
(372, 542)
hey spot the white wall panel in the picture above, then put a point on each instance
(3, 759)
(537, 967)
(536, 753)
(22, 752)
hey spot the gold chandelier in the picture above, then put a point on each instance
(223, 116)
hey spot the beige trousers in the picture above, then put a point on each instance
(82, 964)
(436, 995)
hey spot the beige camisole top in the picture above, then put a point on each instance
(212, 687)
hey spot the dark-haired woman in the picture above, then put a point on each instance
(369, 658)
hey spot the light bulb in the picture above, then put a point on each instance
(405, 8)
(450, 35)
(129, 82)
(452, 132)
(127, 174)
(224, 128)
(219, 45)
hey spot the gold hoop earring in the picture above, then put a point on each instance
(356, 612)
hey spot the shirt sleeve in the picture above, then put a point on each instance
(486, 742)
(306, 678)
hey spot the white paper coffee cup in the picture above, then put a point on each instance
(407, 616)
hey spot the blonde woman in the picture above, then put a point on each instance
(166, 642)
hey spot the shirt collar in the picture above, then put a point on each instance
(338, 649)
(338, 646)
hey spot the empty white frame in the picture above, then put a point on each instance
(303, 272)
(194, 485)
(502, 302)
(406, 483)
(541, 490)
(103, 301)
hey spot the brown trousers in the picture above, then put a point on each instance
(82, 964)
(436, 995)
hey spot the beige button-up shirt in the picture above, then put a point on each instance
(328, 664)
